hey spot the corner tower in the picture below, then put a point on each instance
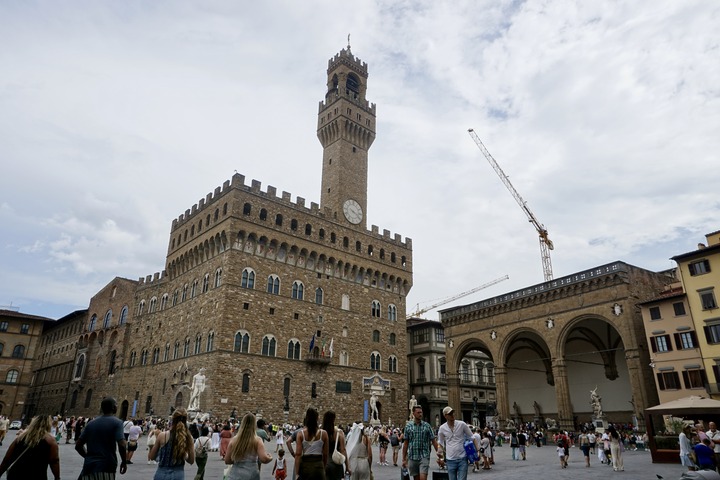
(346, 130)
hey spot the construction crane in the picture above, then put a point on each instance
(455, 297)
(545, 243)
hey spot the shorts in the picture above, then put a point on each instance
(132, 445)
(416, 467)
(396, 448)
(280, 474)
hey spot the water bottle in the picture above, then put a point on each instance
(405, 475)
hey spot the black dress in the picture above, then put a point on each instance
(32, 464)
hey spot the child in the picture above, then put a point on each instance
(279, 467)
(561, 454)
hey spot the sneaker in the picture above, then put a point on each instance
(129, 462)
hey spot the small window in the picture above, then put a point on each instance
(308, 229)
(679, 309)
(392, 312)
(25, 328)
(206, 283)
(699, 268)
(333, 238)
(278, 220)
(392, 339)
(392, 364)
(273, 284)
(654, 313)
(661, 343)
(218, 277)
(346, 242)
(375, 361)
(293, 225)
(376, 336)
(694, 378)
(707, 299)
(268, 346)
(3, 326)
(247, 208)
(375, 309)
(245, 383)
(12, 376)
(668, 381)
(242, 342)
(293, 351)
(321, 233)
(93, 319)
(358, 246)
(18, 351)
(343, 387)
(263, 214)
(712, 333)
(685, 340)
(319, 296)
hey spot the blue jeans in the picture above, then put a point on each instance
(457, 469)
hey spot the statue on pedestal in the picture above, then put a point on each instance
(373, 408)
(411, 404)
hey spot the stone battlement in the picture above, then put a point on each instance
(255, 188)
(345, 56)
(331, 97)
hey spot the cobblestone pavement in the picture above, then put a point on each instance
(541, 463)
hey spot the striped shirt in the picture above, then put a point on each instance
(419, 438)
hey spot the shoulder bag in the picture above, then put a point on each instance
(337, 457)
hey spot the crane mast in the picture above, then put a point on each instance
(455, 297)
(545, 243)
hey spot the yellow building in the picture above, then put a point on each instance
(699, 272)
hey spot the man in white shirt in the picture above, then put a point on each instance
(451, 436)
(714, 435)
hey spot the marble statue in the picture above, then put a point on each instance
(373, 407)
(411, 404)
(196, 388)
(595, 401)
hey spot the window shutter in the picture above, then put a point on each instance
(653, 344)
(716, 372)
(669, 343)
(707, 265)
(693, 335)
(691, 267)
(661, 382)
(686, 379)
(676, 378)
(704, 378)
(708, 337)
(678, 341)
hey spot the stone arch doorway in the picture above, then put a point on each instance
(472, 371)
(528, 380)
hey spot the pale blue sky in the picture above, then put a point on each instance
(116, 117)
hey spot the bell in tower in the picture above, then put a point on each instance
(346, 130)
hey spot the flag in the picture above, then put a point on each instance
(331, 345)
(322, 350)
(312, 343)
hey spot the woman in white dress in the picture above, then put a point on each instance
(215, 439)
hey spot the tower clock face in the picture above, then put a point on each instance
(353, 211)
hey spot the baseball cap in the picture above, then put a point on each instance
(447, 410)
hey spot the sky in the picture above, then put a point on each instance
(116, 117)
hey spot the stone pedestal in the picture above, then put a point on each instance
(600, 424)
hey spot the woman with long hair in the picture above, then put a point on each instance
(616, 449)
(336, 438)
(225, 436)
(173, 448)
(29, 455)
(245, 450)
(311, 453)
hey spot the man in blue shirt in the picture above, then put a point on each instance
(101, 435)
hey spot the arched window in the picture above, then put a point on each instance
(186, 348)
(108, 319)
(278, 220)
(319, 296)
(144, 357)
(246, 209)
(263, 214)
(193, 290)
(345, 302)
(18, 351)
(268, 346)
(79, 366)
(375, 309)
(12, 376)
(392, 312)
(133, 358)
(376, 336)
(198, 343)
(218, 277)
(375, 361)
(176, 350)
(141, 307)
(88, 398)
(293, 350)
(245, 383)
(166, 355)
(206, 283)
(308, 229)
(164, 301)
(297, 290)
(123, 315)
(392, 364)
(184, 293)
(273, 284)
(344, 358)
(2, 347)
(93, 322)
(210, 342)
(358, 246)
(248, 278)
(156, 355)
(293, 224)
(392, 340)
(242, 342)
(153, 304)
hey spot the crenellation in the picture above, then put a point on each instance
(201, 203)
(217, 192)
(300, 202)
(386, 233)
(156, 276)
(314, 208)
(271, 191)
(194, 209)
(226, 186)
(255, 186)
(238, 180)
(398, 238)
(375, 230)
(286, 196)
(208, 198)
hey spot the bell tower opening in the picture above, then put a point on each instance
(346, 130)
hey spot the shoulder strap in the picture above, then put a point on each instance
(337, 437)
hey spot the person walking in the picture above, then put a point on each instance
(202, 447)
(225, 436)
(514, 446)
(336, 441)
(133, 438)
(245, 451)
(417, 440)
(452, 435)
(103, 435)
(359, 450)
(311, 452)
(714, 435)
(616, 449)
(173, 448)
(584, 443)
(32, 451)
(686, 447)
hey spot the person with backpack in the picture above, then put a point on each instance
(202, 447)
(395, 439)
(584, 443)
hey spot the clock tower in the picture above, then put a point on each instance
(346, 130)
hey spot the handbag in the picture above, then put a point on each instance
(337, 457)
